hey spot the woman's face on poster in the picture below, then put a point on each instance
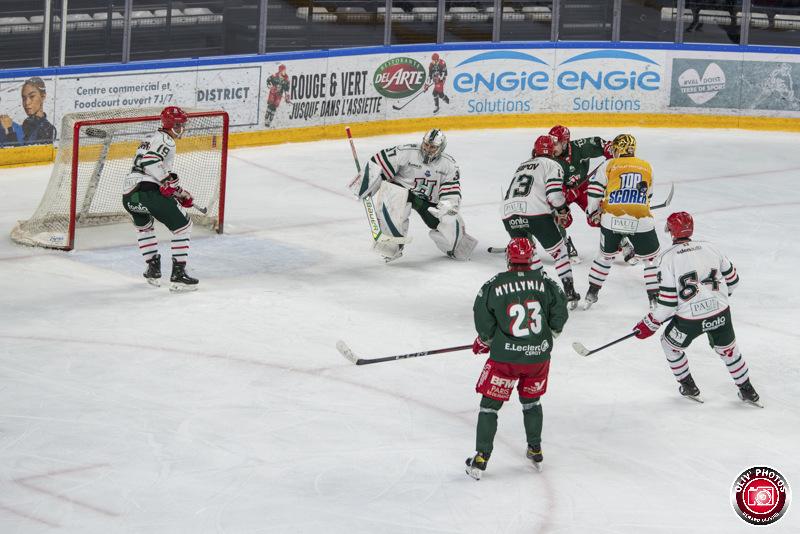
(32, 100)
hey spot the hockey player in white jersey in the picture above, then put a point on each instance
(534, 206)
(419, 177)
(695, 283)
(152, 191)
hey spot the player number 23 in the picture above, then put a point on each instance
(526, 319)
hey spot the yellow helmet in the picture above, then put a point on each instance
(623, 144)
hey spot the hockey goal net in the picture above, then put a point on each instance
(95, 154)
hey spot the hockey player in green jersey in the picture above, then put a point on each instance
(517, 314)
(575, 157)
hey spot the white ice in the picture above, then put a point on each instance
(127, 409)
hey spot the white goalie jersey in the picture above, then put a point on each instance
(403, 165)
(153, 161)
(536, 189)
(695, 282)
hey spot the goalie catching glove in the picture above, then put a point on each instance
(646, 327)
(444, 207)
(171, 188)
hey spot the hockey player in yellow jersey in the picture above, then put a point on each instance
(619, 199)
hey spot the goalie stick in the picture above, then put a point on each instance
(581, 349)
(407, 102)
(369, 206)
(342, 347)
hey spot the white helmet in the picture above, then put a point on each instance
(433, 143)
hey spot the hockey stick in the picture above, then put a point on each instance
(667, 200)
(581, 349)
(342, 347)
(200, 209)
(369, 206)
(424, 89)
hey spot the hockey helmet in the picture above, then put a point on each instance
(544, 146)
(561, 133)
(433, 144)
(435, 57)
(519, 253)
(680, 225)
(623, 145)
(173, 118)
(281, 68)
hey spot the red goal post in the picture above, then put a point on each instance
(95, 155)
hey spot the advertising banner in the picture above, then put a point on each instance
(735, 84)
(27, 111)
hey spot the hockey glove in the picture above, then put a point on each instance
(184, 198)
(563, 216)
(444, 207)
(607, 153)
(646, 327)
(593, 219)
(170, 185)
(479, 346)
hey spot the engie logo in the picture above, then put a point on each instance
(502, 72)
(399, 77)
(611, 73)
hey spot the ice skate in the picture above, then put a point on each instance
(476, 464)
(180, 280)
(572, 296)
(153, 272)
(591, 296)
(748, 394)
(689, 389)
(534, 454)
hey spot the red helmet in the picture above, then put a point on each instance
(281, 68)
(435, 57)
(519, 252)
(544, 145)
(172, 115)
(561, 133)
(680, 225)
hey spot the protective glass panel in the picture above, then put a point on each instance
(585, 20)
(414, 22)
(21, 34)
(646, 21)
(94, 32)
(468, 21)
(775, 22)
(526, 21)
(709, 21)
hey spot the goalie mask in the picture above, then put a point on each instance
(432, 146)
(173, 118)
(623, 145)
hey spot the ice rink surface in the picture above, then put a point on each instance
(127, 409)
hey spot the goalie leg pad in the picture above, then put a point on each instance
(393, 209)
(452, 239)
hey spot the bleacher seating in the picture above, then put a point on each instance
(509, 14)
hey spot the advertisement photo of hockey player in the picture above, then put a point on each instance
(437, 74)
(421, 177)
(279, 88)
(517, 314)
(36, 128)
(619, 201)
(535, 207)
(696, 280)
(152, 192)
